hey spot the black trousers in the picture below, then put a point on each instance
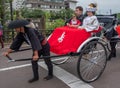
(111, 33)
(45, 52)
(113, 47)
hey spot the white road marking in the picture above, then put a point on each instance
(67, 78)
(14, 67)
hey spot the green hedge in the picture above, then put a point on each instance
(50, 25)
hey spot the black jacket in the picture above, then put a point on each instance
(32, 35)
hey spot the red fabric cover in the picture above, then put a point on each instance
(66, 39)
(118, 30)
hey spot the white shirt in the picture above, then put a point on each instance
(90, 23)
(73, 22)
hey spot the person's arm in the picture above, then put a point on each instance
(35, 43)
(77, 25)
(7, 52)
(35, 55)
(15, 44)
(68, 24)
(34, 40)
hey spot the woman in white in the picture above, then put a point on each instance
(90, 23)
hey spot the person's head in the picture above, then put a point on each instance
(74, 17)
(19, 29)
(78, 11)
(18, 25)
(91, 9)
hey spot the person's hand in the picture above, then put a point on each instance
(44, 42)
(35, 57)
(68, 24)
(5, 54)
(80, 27)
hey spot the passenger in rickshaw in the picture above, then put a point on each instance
(74, 22)
(90, 23)
(79, 15)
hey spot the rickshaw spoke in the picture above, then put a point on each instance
(92, 61)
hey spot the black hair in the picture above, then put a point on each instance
(80, 8)
(94, 5)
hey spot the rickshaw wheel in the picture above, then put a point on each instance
(92, 61)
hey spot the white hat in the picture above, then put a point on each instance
(92, 7)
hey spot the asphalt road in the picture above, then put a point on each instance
(16, 74)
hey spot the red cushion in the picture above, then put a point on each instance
(96, 31)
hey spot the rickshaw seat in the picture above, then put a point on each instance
(97, 31)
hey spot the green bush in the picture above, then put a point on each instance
(118, 15)
(62, 14)
(32, 13)
(54, 24)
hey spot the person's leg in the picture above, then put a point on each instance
(113, 50)
(1, 41)
(46, 52)
(35, 71)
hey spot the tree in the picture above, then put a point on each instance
(62, 14)
(2, 11)
(32, 13)
(66, 13)
(118, 15)
(11, 9)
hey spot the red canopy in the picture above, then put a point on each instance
(66, 39)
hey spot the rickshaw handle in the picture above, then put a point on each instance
(27, 59)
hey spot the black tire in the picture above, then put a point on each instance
(92, 61)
